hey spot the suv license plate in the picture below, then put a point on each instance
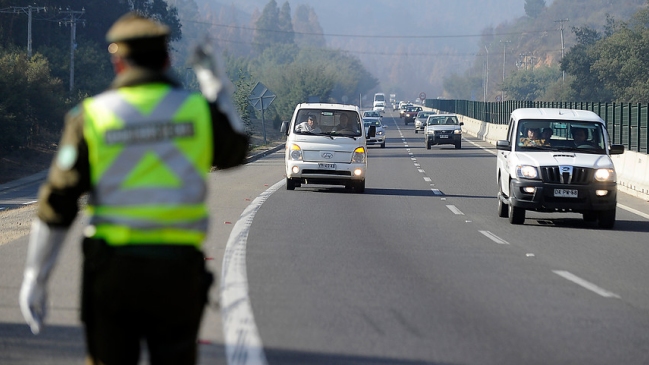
(327, 166)
(443, 136)
(566, 193)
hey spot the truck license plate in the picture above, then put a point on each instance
(443, 136)
(566, 193)
(327, 166)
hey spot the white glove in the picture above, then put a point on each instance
(214, 83)
(44, 246)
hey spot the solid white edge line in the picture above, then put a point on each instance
(242, 342)
(629, 209)
(494, 238)
(454, 209)
(588, 285)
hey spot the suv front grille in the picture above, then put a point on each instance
(580, 175)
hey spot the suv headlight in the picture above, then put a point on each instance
(527, 172)
(359, 155)
(457, 131)
(295, 153)
(605, 175)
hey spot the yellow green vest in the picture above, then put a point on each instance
(150, 149)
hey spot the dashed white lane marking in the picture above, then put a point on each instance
(494, 238)
(427, 179)
(30, 202)
(454, 209)
(422, 171)
(242, 342)
(588, 285)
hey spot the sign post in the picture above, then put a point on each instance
(422, 96)
(261, 98)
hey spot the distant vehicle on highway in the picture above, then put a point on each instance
(372, 114)
(410, 114)
(420, 120)
(443, 129)
(402, 108)
(379, 137)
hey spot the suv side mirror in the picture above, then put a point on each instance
(503, 145)
(616, 149)
(284, 127)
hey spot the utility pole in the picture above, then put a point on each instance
(502, 92)
(486, 84)
(561, 21)
(27, 10)
(74, 17)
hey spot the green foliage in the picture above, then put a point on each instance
(32, 102)
(459, 87)
(533, 8)
(530, 85)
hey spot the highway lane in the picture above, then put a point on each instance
(420, 269)
(21, 192)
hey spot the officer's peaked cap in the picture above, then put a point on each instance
(134, 33)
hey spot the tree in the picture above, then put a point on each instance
(308, 32)
(578, 61)
(533, 8)
(287, 35)
(159, 10)
(267, 27)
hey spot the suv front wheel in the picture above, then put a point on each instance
(516, 215)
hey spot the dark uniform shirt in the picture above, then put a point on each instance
(66, 182)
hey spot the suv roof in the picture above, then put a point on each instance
(327, 106)
(553, 113)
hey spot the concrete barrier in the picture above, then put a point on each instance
(631, 167)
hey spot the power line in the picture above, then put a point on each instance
(361, 35)
(27, 10)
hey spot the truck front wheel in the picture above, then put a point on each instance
(606, 219)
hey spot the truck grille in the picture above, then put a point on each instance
(579, 176)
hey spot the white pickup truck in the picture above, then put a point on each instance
(557, 160)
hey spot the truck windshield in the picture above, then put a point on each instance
(328, 122)
(561, 135)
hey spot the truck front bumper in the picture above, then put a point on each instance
(544, 197)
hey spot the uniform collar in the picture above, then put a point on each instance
(137, 76)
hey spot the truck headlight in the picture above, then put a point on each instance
(605, 175)
(359, 155)
(457, 131)
(295, 153)
(527, 172)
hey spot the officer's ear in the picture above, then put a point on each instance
(119, 64)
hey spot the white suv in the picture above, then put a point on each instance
(326, 144)
(557, 160)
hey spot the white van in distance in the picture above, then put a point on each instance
(326, 144)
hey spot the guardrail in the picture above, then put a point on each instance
(626, 123)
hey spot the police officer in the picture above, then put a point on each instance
(142, 150)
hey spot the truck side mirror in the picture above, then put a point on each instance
(616, 149)
(503, 145)
(284, 127)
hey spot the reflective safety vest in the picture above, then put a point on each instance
(150, 149)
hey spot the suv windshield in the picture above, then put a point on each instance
(560, 135)
(328, 122)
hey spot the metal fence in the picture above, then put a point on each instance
(626, 123)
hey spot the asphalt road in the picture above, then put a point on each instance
(418, 270)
